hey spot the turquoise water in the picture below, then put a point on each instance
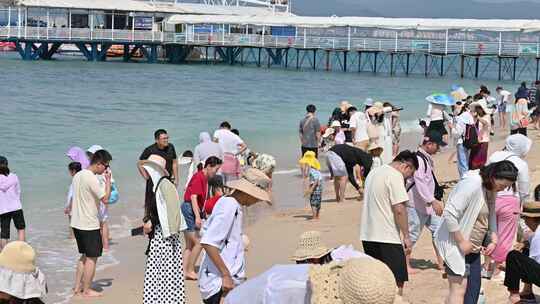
(46, 107)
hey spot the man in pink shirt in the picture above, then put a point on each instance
(424, 208)
(10, 204)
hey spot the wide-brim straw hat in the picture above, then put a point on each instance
(310, 159)
(254, 183)
(158, 163)
(328, 132)
(482, 103)
(531, 209)
(374, 145)
(19, 276)
(358, 280)
(310, 246)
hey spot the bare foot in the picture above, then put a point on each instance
(90, 293)
(191, 276)
(411, 270)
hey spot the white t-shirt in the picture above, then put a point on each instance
(223, 230)
(503, 96)
(87, 195)
(228, 141)
(534, 252)
(384, 187)
(435, 111)
(359, 122)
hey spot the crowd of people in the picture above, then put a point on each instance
(473, 228)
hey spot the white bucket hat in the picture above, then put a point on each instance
(157, 162)
(358, 280)
(19, 276)
(94, 148)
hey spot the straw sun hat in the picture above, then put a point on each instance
(531, 209)
(254, 183)
(358, 280)
(19, 276)
(156, 162)
(310, 247)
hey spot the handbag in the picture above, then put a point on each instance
(113, 199)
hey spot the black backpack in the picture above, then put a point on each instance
(470, 138)
(439, 191)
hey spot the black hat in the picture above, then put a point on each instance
(435, 137)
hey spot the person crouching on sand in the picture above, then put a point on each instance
(525, 265)
(314, 188)
(223, 264)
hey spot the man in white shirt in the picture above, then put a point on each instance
(88, 193)
(384, 215)
(231, 145)
(521, 266)
(464, 119)
(358, 126)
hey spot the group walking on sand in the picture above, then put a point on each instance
(485, 227)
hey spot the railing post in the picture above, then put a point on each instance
(262, 40)
(186, 33)
(364, 44)
(380, 45)
(349, 38)
(537, 48)
(9, 21)
(48, 21)
(223, 34)
(38, 25)
(463, 48)
(305, 38)
(500, 43)
(25, 22)
(153, 22)
(112, 25)
(19, 22)
(132, 26)
(91, 16)
(429, 47)
(69, 20)
(396, 42)
(446, 43)
(163, 30)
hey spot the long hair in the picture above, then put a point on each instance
(500, 170)
(4, 169)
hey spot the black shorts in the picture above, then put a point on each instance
(5, 222)
(390, 254)
(438, 126)
(305, 149)
(89, 242)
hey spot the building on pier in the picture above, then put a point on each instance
(266, 33)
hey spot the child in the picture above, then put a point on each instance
(375, 150)
(314, 189)
(73, 168)
(215, 184)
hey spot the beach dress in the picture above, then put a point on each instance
(164, 278)
(506, 208)
(316, 197)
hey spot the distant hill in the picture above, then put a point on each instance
(480, 9)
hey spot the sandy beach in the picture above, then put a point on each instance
(274, 235)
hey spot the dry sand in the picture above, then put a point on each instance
(274, 237)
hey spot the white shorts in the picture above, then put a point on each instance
(336, 165)
(103, 213)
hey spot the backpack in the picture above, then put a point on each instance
(470, 138)
(438, 193)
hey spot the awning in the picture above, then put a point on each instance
(496, 25)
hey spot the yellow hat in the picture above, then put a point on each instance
(310, 159)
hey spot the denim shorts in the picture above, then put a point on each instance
(189, 216)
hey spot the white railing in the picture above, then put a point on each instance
(310, 42)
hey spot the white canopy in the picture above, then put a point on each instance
(145, 6)
(496, 25)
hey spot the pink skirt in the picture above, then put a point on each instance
(506, 208)
(231, 165)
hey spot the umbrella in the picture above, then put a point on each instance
(441, 99)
